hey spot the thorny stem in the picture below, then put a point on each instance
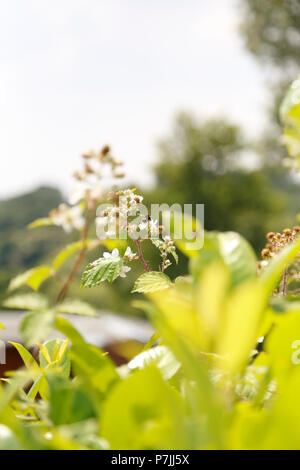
(284, 282)
(80, 255)
(141, 257)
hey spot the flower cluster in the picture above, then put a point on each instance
(96, 166)
(88, 189)
(128, 217)
(276, 242)
(166, 246)
(115, 256)
(68, 217)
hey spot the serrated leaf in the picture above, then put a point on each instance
(103, 269)
(152, 281)
(30, 301)
(76, 307)
(40, 223)
(37, 326)
(33, 278)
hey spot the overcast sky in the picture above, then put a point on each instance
(76, 74)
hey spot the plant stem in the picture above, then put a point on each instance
(141, 257)
(284, 282)
(80, 256)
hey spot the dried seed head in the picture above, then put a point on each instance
(105, 150)
(88, 169)
(287, 232)
(77, 175)
(265, 253)
(296, 228)
(87, 155)
(270, 235)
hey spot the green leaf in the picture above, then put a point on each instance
(103, 269)
(238, 256)
(54, 353)
(30, 301)
(152, 281)
(68, 401)
(27, 358)
(40, 223)
(68, 330)
(76, 307)
(37, 326)
(290, 118)
(8, 440)
(230, 248)
(70, 249)
(161, 357)
(94, 365)
(144, 412)
(33, 278)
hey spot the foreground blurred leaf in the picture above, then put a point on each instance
(54, 353)
(161, 357)
(26, 356)
(33, 278)
(76, 307)
(37, 326)
(152, 281)
(290, 118)
(68, 401)
(30, 301)
(231, 249)
(40, 223)
(71, 249)
(143, 412)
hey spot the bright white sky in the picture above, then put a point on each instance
(76, 74)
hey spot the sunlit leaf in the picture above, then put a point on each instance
(30, 301)
(33, 278)
(40, 223)
(103, 269)
(76, 307)
(152, 281)
(35, 327)
(71, 249)
(161, 357)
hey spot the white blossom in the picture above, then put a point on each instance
(129, 254)
(68, 218)
(114, 255)
(124, 270)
